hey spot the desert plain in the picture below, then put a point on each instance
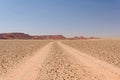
(92, 59)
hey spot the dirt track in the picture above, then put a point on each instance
(57, 61)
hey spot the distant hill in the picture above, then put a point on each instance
(41, 37)
(27, 36)
(46, 37)
(14, 36)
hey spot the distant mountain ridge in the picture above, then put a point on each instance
(41, 37)
(14, 36)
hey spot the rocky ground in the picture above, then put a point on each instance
(57, 61)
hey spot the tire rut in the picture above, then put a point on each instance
(61, 66)
(57, 61)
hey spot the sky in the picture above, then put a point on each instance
(99, 18)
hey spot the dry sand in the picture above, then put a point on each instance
(57, 61)
(107, 50)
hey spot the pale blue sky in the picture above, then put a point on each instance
(68, 17)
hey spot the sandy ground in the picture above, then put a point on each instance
(57, 61)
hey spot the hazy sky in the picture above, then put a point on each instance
(68, 17)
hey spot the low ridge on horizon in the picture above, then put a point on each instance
(19, 35)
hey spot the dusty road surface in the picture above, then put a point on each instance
(57, 61)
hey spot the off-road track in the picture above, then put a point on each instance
(57, 61)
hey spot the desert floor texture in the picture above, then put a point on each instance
(60, 60)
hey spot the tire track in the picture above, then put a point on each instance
(63, 66)
(99, 70)
(57, 66)
(57, 61)
(30, 68)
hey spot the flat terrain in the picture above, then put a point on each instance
(58, 61)
(104, 49)
(13, 52)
